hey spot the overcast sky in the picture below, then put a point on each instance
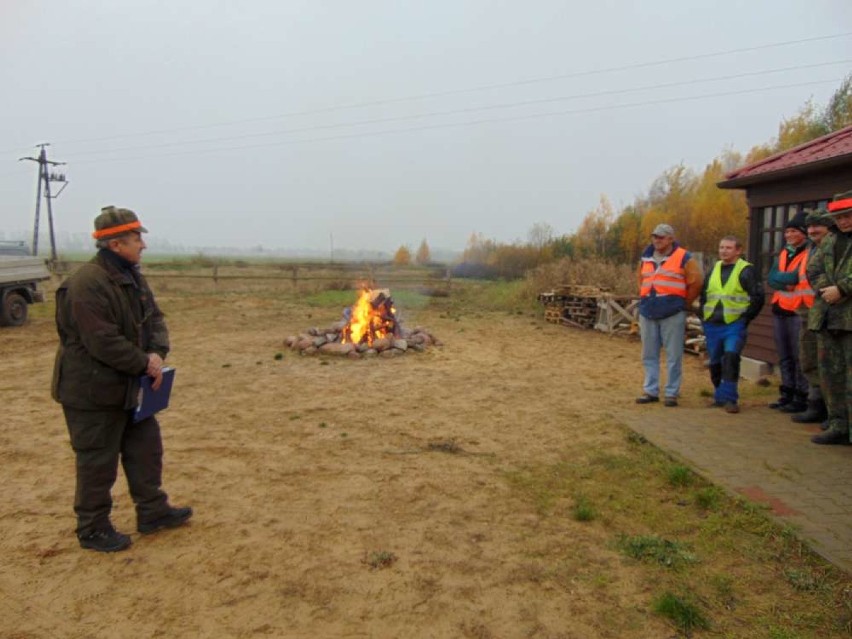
(301, 123)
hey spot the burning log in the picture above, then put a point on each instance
(370, 327)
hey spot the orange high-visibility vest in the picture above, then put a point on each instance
(802, 293)
(669, 279)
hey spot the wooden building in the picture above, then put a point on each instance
(777, 188)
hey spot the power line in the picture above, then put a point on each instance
(505, 105)
(423, 96)
(471, 122)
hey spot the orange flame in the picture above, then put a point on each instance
(368, 322)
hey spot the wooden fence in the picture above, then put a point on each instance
(296, 277)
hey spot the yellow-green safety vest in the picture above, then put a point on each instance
(734, 297)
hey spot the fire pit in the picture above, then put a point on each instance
(370, 327)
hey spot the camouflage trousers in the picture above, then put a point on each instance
(809, 362)
(835, 369)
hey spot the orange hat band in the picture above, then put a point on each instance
(115, 230)
(839, 205)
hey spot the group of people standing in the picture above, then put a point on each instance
(811, 282)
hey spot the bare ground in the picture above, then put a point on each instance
(334, 498)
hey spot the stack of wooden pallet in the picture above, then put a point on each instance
(572, 305)
(596, 307)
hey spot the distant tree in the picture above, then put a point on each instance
(402, 257)
(715, 212)
(423, 255)
(626, 230)
(591, 237)
(809, 123)
(838, 113)
(540, 235)
(479, 250)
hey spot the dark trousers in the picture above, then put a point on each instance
(100, 439)
(835, 368)
(786, 329)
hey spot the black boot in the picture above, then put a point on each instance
(798, 405)
(815, 414)
(785, 398)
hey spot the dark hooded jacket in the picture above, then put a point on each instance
(108, 322)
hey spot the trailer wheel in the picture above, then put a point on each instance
(14, 311)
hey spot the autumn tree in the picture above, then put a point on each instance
(591, 237)
(838, 113)
(805, 126)
(402, 257)
(479, 250)
(423, 256)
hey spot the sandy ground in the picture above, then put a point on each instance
(301, 470)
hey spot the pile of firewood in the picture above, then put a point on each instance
(328, 341)
(694, 341)
(573, 305)
(593, 307)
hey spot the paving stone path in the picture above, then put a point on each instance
(761, 455)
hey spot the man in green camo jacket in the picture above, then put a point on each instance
(830, 275)
(819, 224)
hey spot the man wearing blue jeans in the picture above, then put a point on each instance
(669, 282)
(731, 297)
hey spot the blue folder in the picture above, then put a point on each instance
(150, 401)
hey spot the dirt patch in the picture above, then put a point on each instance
(333, 498)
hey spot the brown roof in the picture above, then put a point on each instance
(829, 149)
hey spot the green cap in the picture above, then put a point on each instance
(114, 221)
(818, 217)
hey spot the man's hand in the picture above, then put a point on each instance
(155, 370)
(831, 294)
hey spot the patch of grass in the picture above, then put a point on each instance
(654, 549)
(279, 356)
(806, 579)
(583, 509)
(635, 438)
(679, 476)
(709, 497)
(545, 485)
(323, 425)
(380, 559)
(682, 611)
(706, 392)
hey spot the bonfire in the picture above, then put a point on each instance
(369, 327)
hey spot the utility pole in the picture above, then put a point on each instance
(46, 175)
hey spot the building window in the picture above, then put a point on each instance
(770, 224)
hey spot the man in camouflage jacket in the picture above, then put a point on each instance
(830, 275)
(111, 332)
